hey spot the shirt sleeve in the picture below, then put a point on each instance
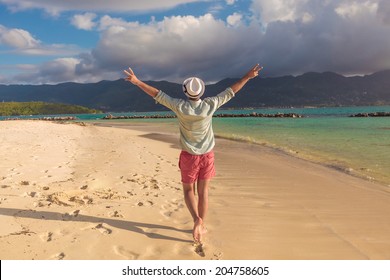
(167, 101)
(222, 98)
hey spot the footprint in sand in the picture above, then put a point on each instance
(81, 200)
(103, 229)
(47, 237)
(171, 207)
(115, 214)
(30, 194)
(217, 256)
(199, 249)
(154, 183)
(108, 194)
(73, 214)
(146, 203)
(59, 256)
(57, 198)
(127, 254)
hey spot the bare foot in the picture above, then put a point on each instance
(203, 229)
(198, 230)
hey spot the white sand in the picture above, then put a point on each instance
(85, 192)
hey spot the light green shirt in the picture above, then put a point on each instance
(195, 119)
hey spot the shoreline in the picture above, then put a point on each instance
(298, 155)
(111, 193)
(348, 170)
(244, 153)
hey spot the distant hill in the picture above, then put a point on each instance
(309, 89)
(41, 108)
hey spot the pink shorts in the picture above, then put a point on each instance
(196, 167)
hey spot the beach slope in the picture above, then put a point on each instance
(73, 191)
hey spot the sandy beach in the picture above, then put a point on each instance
(73, 191)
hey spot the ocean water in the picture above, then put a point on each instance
(359, 146)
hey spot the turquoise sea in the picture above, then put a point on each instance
(359, 146)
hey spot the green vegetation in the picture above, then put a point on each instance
(42, 108)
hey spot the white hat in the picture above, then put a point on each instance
(193, 87)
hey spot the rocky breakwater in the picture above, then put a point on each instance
(63, 118)
(375, 114)
(251, 115)
(123, 117)
(260, 115)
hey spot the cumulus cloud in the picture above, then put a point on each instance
(316, 37)
(84, 21)
(234, 19)
(176, 47)
(17, 38)
(344, 36)
(53, 72)
(356, 9)
(279, 10)
(287, 37)
(20, 41)
(55, 7)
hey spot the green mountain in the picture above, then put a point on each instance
(309, 89)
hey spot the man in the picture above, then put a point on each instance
(196, 161)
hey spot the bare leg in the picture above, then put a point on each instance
(203, 193)
(190, 200)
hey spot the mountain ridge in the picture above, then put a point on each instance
(308, 89)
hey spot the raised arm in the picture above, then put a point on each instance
(254, 72)
(132, 78)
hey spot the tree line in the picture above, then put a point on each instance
(42, 108)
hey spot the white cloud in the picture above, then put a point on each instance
(291, 37)
(61, 69)
(230, 2)
(84, 21)
(176, 47)
(279, 10)
(353, 9)
(344, 36)
(234, 19)
(55, 7)
(119, 24)
(52, 72)
(17, 38)
(21, 42)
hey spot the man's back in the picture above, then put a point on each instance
(195, 119)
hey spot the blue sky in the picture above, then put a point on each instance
(54, 41)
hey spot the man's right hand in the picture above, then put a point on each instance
(131, 77)
(254, 72)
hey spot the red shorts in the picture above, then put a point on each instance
(196, 167)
